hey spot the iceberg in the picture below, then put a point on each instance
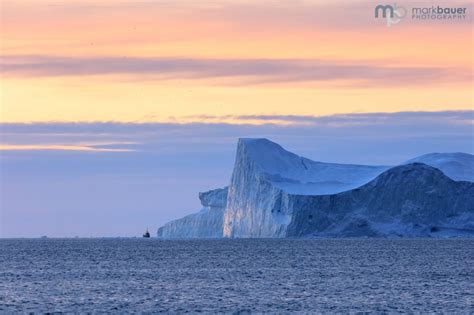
(274, 193)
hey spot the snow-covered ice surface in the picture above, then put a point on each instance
(298, 175)
(247, 275)
(275, 193)
(458, 166)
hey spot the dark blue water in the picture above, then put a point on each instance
(139, 275)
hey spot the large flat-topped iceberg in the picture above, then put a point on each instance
(275, 193)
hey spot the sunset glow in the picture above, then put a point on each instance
(166, 61)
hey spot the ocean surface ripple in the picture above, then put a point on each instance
(240, 275)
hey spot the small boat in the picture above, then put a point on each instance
(146, 234)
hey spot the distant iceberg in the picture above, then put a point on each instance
(275, 193)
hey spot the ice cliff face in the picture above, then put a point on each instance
(264, 174)
(275, 193)
(207, 223)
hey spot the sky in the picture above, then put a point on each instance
(115, 114)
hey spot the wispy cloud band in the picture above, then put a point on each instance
(351, 119)
(463, 117)
(57, 147)
(246, 71)
(135, 137)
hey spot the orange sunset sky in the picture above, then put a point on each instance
(185, 61)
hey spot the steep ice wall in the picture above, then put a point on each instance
(263, 176)
(458, 166)
(410, 200)
(253, 203)
(207, 223)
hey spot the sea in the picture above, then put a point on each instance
(237, 276)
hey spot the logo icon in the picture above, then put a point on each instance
(392, 13)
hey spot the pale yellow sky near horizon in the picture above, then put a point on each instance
(140, 61)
